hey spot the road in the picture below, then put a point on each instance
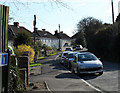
(58, 78)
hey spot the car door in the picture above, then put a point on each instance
(66, 58)
(74, 64)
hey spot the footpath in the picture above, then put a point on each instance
(40, 86)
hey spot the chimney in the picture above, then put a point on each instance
(61, 32)
(56, 32)
(43, 29)
(16, 24)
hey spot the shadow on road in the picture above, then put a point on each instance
(67, 75)
(55, 64)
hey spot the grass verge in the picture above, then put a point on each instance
(39, 58)
(32, 64)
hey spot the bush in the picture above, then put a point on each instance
(23, 48)
(16, 84)
(22, 38)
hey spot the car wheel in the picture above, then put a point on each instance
(78, 72)
(100, 73)
(69, 66)
(73, 71)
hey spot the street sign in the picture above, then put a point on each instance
(3, 59)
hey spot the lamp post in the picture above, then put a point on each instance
(112, 11)
(59, 37)
(34, 24)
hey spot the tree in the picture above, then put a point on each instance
(88, 27)
(39, 45)
(22, 38)
(118, 18)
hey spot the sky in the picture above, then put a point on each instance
(51, 13)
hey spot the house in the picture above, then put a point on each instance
(14, 29)
(47, 38)
(44, 36)
(64, 40)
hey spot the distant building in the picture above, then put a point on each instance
(118, 7)
(41, 35)
(65, 40)
(47, 38)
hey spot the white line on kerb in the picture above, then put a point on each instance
(48, 87)
(92, 86)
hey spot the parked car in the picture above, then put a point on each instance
(68, 49)
(79, 47)
(86, 62)
(63, 56)
(11, 49)
(69, 59)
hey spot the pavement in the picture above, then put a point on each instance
(40, 86)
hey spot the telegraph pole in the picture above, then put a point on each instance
(34, 24)
(112, 11)
(59, 37)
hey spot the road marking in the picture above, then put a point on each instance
(86, 81)
(92, 86)
(47, 87)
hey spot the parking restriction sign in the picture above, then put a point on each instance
(3, 59)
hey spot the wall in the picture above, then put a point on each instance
(50, 42)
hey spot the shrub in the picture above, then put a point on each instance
(23, 48)
(16, 84)
(22, 38)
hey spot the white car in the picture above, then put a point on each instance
(69, 59)
(12, 51)
(86, 62)
(63, 56)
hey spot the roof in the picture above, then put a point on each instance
(45, 34)
(62, 35)
(13, 30)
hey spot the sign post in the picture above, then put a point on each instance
(4, 15)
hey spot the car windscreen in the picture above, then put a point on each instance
(86, 57)
(70, 55)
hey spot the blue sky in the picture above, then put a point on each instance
(49, 14)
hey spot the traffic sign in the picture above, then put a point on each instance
(3, 59)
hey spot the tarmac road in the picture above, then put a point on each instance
(59, 79)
